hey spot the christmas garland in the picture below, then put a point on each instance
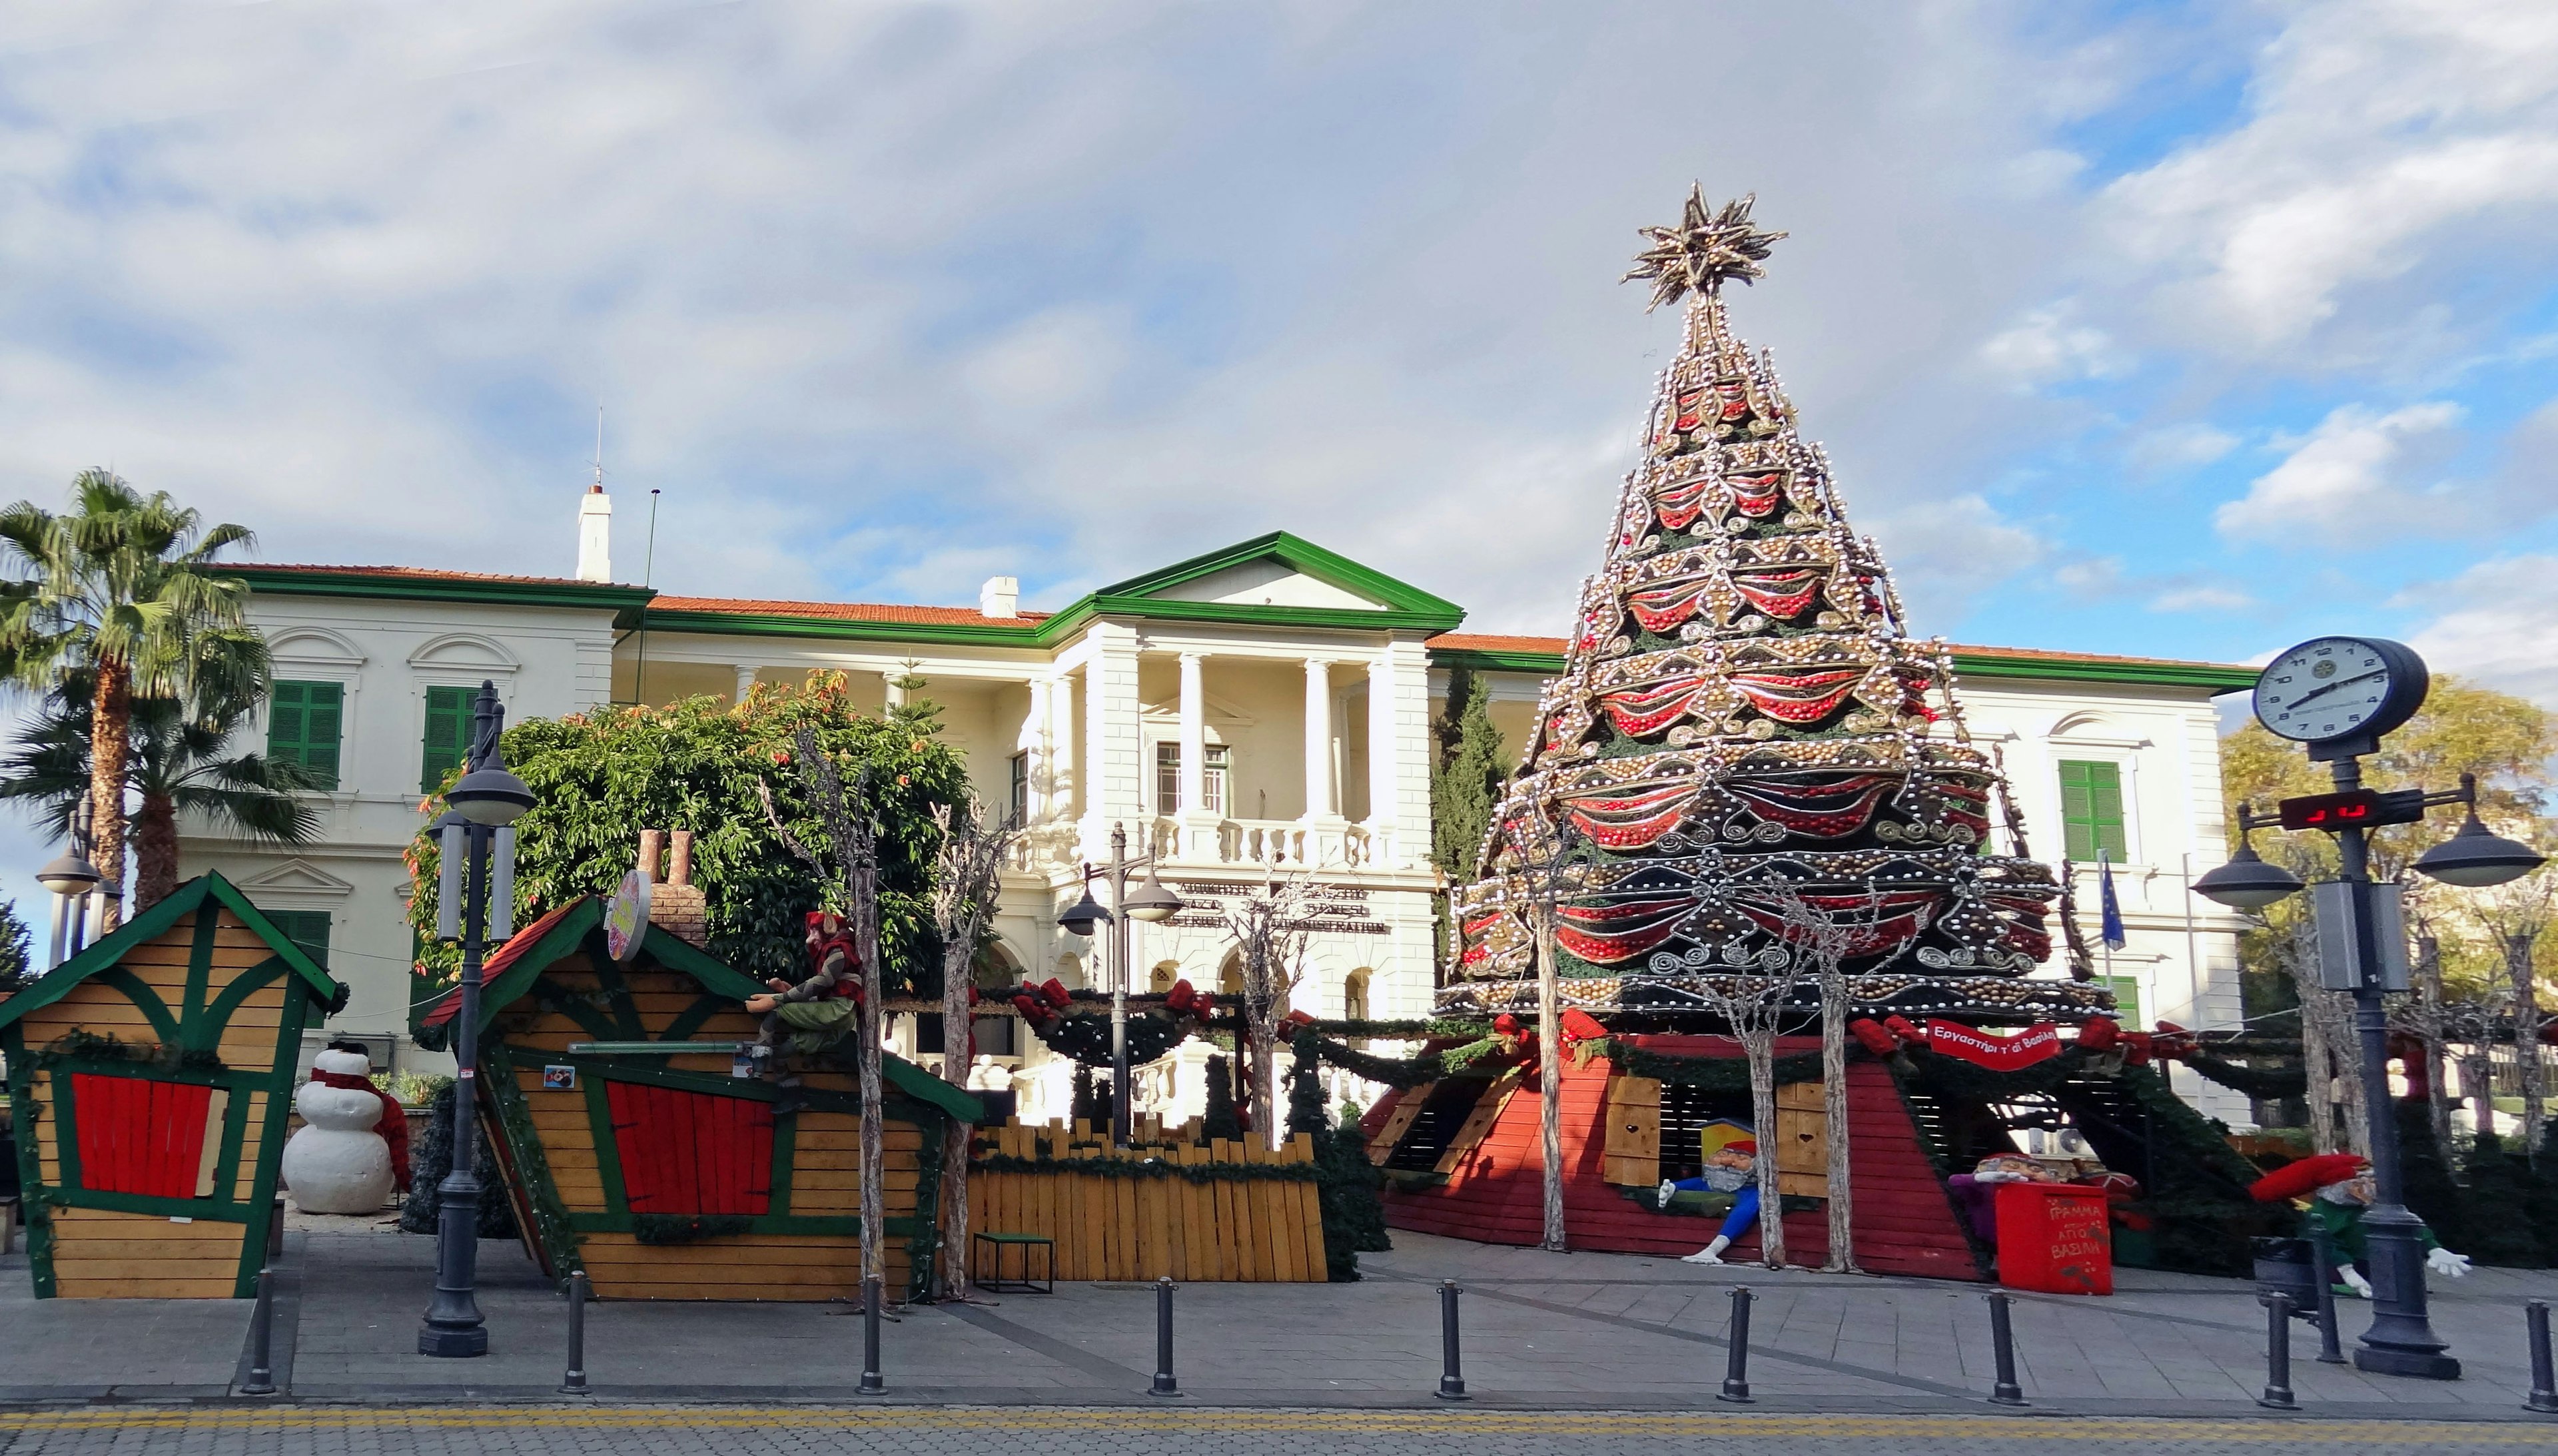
(1401, 1073)
(79, 1045)
(1147, 1168)
(687, 1227)
(2266, 1083)
(1713, 1074)
(1087, 1038)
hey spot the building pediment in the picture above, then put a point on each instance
(1283, 572)
(295, 876)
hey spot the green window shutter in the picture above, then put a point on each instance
(303, 724)
(2128, 997)
(2091, 810)
(308, 930)
(448, 733)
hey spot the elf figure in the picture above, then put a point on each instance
(817, 1012)
(1731, 1166)
(2331, 1190)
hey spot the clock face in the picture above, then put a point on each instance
(2334, 686)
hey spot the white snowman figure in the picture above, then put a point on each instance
(338, 1163)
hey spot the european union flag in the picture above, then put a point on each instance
(2112, 908)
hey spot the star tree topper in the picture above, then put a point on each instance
(1705, 249)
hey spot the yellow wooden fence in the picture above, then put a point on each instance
(1148, 1221)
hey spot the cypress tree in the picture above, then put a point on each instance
(2427, 1175)
(1219, 1120)
(2498, 1217)
(431, 1159)
(1346, 1182)
(1088, 1104)
(1465, 776)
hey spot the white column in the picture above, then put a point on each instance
(745, 680)
(1194, 737)
(1113, 789)
(1319, 738)
(1381, 716)
(1064, 778)
(1033, 743)
(1096, 771)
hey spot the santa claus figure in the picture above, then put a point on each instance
(2331, 1190)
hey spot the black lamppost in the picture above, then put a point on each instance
(1151, 902)
(70, 877)
(2337, 696)
(476, 846)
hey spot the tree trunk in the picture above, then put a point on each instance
(110, 727)
(1549, 1076)
(956, 1040)
(1260, 1000)
(2477, 1083)
(1758, 1045)
(2429, 1003)
(1834, 1111)
(866, 941)
(2526, 1037)
(155, 851)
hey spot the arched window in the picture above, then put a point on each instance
(1354, 995)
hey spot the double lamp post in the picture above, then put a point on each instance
(1149, 902)
(2361, 940)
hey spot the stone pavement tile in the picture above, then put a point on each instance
(101, 1342)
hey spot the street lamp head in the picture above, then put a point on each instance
(68, 874)
(2246, 882)
(1081, 916)
(490, 796)
(2478, 857)
(1153, 902)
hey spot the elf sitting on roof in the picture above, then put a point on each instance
(2343, 1189)
(1731, 1166)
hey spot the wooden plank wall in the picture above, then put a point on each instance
(100, 1253)
(1249, 1230)
(825, 1173)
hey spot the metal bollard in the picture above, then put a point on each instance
(2323, 1266)
(1452, 1380)
(2278, 1353)
(1735, 1364)
(871, 1383)
(2005, 1392)
(1164, 1384)
(574, 1382)
(261, 1339)
(2544, 1389)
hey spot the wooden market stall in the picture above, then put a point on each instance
(631, 1152)
(150, 1078)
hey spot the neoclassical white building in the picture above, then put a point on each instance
(1264, 705)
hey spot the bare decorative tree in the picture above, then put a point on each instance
(1753, 1006)
(1543, 848)
(1824, 938)
(967, 879)
(1271, 926)
(851, 861)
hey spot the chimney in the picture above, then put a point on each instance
(679, 858)
(652, 843)
(595, 534)
(1000, 597)
(675, 903)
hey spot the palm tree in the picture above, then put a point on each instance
(177, 765)
(117, 585)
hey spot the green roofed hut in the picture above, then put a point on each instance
(631, 1153)
(150, 1078)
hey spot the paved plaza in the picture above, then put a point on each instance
(1594, 1335)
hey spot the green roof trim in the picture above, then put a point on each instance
(150, 924)
(2216, 677)
(626, 603)
(1406, 608)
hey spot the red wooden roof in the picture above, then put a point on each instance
(447, 1004)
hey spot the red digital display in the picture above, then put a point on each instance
(2352, 808)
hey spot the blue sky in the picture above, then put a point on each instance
(2185, 331)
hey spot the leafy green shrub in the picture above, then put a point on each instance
(600, 777)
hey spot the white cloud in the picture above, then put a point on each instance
(1946, 554)
(2180, 447)
(2201, 598)
(2046, 347)
(2495, 623)
(2343, 484)
(2384, 141)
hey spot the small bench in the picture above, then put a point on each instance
(997, 1283)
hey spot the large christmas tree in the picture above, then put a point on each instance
(1745, 752)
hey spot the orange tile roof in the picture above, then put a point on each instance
(1471, 641)
(835, 611)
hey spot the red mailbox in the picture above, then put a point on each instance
(2055, 1238)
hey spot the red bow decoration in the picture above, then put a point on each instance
(1580, 1026)
(1288, 1023)
(2137, 1047)
(1870, 1035)
(1904, 1028)
(1178, 999)
(2099, 1033)
(1506, 1025)
(1054, 992)
(2170, 1042)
